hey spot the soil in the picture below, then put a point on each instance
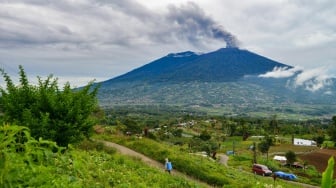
(223, 159)
(319, 158)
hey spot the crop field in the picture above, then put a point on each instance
(319, 158)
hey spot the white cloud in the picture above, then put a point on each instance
(281, 72)
(315, 39)
(310, 79)
(105, 38)
(313, 79)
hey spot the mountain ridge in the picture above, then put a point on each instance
(225, 64)
(227, 80)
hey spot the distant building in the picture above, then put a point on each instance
(281, 159)
(303, 142)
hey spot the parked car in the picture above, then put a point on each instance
(261, 170)
(284, 175)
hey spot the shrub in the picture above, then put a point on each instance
(62, 115)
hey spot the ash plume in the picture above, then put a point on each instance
(191, 23)
(230, 39)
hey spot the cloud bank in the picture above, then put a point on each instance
(311, 79)
(94, 24)
(105, 38)
(281, 72)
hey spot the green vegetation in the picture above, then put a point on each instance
(48, 149)
(26, 162)
(217, 99)
(213, 135)
(327, 176)
(199, 167)
(61, 115)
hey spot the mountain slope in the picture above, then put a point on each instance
(227, 81)
(226, 64)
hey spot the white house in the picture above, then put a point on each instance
(281, 159)
(303, 142)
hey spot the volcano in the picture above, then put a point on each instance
(226, 80)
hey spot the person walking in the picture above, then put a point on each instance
(168, 166)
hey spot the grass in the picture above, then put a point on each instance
(199, 167)
(40, 163)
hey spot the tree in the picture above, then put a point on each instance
(291, 157)
(274, 124)
(210, 147)
(319, 140)
(263, 147)
(132, 125)
(254, 149)
(332, 130)
(205, 135)
(178, 132)
(269, 140)
(62, 115)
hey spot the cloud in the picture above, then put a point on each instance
(101, 23)
(310, 79)
(315, 39)
(281, 72)
(113, 36)
(313, 79)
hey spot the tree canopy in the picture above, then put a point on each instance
(62, 115)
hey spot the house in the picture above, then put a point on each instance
(303, 142)
(281, 159)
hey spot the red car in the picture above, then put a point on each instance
(261, 170)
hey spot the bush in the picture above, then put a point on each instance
(42, 163)
(62, 115)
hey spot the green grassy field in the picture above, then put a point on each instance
(205, 169)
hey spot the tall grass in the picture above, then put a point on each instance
(26, 162)
(201, 168)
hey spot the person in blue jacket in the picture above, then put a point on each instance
(168, 165)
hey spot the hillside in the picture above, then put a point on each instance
(223, 65)
(226, 81)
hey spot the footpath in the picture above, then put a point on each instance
(126, 151)
(153, 163)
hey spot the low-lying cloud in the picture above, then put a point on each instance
(311, 79)
(281, 72)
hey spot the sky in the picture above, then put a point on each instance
(84, 40)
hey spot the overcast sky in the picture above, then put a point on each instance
(82, 40)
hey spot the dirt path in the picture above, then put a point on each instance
(126, 151)
(223, 159)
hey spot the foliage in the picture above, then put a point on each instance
(202, 168)
(178, 132)
(61, 115)
(26, 162)
(291, 157)
(327, 175)
(319, 140)
(205, 135)
(132, 125)
(263, 147)
(332, 129)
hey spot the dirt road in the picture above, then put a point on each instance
(126, 151)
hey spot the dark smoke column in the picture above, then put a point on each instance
(189, 22)
(230, 39)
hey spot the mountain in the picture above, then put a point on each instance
(226, 81)
(226, 64)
